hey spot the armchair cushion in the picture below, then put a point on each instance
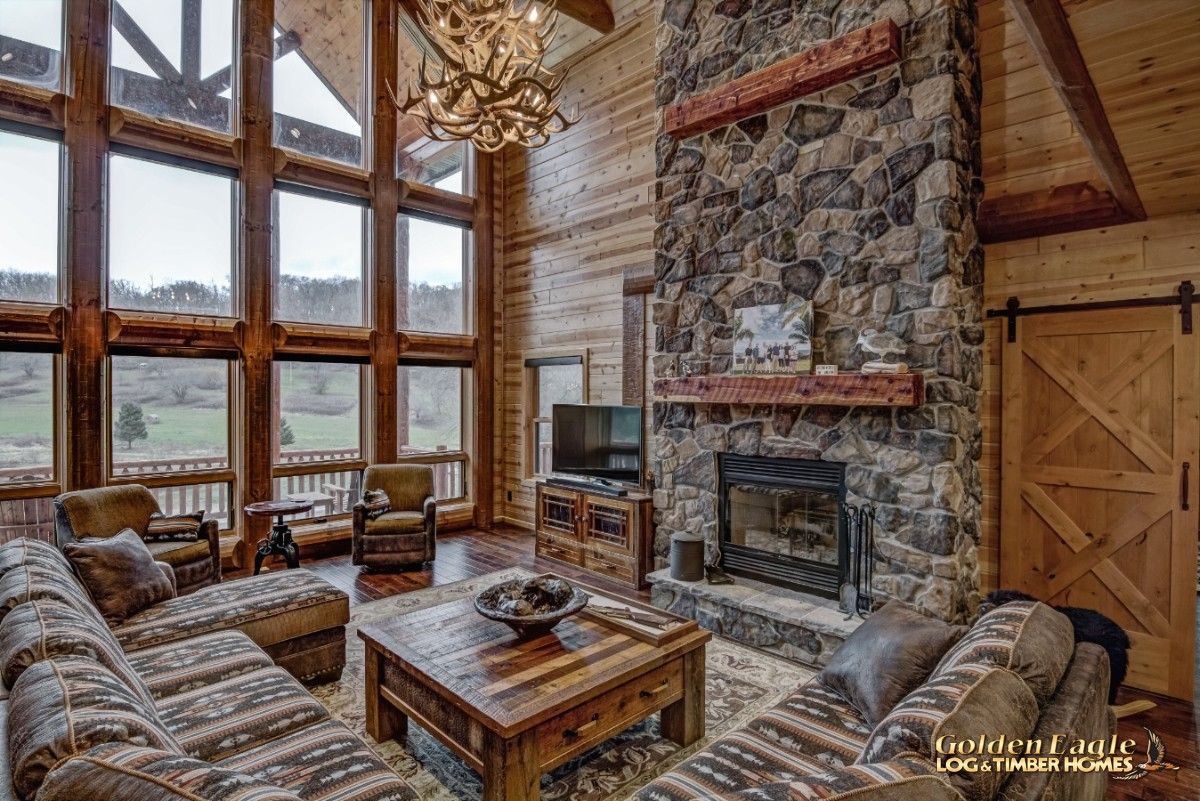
(176, 552)
(120, 574)
(376, 503)
(103, 512)
(397, 523)
(180, 528)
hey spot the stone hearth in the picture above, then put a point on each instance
(795, 626)
(861, 198)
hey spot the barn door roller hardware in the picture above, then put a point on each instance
(1182, 298)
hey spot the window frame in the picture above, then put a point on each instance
(532, 401)
(227, 476)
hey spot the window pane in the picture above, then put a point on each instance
(449, 480)
(446, 165)
(319, 411)
(318, 85)
(170, 238)
(29, 171)
(27, 517)
(430, 408)
(31, 41)
(431, 260)
(214, 499)
(169, 415)
(172, 60)
(26, 417)
(556, 383)
(332, 493)
(320, 260)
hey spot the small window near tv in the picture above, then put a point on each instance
(550, 381)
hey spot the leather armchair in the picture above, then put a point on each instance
(405, 535)
(106, 511)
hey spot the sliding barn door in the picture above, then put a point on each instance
(1098, 477)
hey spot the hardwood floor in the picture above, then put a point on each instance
(471, 553)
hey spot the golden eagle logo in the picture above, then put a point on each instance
(1156, 760)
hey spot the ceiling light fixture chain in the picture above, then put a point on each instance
(491, 86)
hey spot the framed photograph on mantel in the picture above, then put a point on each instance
(773, 340)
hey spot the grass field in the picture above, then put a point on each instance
(185, 405)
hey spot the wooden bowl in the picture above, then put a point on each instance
(497, 603)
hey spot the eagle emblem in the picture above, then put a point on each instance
(1156, 760)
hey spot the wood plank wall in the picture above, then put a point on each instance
(1143, 259)
(576, 214)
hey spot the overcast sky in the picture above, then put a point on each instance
(166, 223)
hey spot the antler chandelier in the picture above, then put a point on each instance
(490, 87)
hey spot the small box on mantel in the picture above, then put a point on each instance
(826, 369)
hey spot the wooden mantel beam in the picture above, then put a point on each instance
(1048, 30)
(1075, 207)
(820, 67)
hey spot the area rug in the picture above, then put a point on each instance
(741, 684)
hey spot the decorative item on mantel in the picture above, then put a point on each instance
(778, 338)
(883, 345)
(491, 87)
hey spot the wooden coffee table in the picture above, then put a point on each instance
(516, 709)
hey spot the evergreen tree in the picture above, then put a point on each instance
(286, 435)
(131, 425)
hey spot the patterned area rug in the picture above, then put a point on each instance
(742, 683)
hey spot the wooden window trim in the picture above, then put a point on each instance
(531, 401)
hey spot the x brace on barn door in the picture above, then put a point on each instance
(1182, 298)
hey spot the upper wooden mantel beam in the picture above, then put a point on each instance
(817, 68)
(1048, 30)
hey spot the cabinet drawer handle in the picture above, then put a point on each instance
(578, 731)
(655, 691)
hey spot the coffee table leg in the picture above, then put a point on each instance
(510, 768)
(384, 721)
(683, 721)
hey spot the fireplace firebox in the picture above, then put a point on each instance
(784, 521)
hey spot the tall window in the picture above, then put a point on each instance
(27, 401)
(431, 264)
(31, 34)
(319, 411)
(170, 238)
(168, 415)
(445, 165)
(550, 380)
(318, 83)
(174, 60)
(319, 263)
(29, 202)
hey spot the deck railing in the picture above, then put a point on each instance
(334, 492)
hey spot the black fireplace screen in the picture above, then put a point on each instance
(783, 521)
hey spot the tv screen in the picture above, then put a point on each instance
(602, 442)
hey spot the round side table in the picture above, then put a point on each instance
(280, 541)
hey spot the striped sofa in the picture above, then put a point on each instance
(195, 698)
(1017, 672)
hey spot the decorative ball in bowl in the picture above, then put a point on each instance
(531, 607)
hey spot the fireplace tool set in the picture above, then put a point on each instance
(859, 525)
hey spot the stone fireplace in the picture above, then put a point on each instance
(782, 521)
(861, 198)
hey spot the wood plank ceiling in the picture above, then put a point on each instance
(1144, 59)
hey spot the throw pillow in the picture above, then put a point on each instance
(120, 574)
(886, 657)
(180, 528)
(376, 502)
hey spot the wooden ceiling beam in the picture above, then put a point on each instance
(596, 14)
(1076, 207)
(1045, 25)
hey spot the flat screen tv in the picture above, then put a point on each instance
(597, 442)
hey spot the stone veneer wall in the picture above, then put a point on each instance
(863, 198)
